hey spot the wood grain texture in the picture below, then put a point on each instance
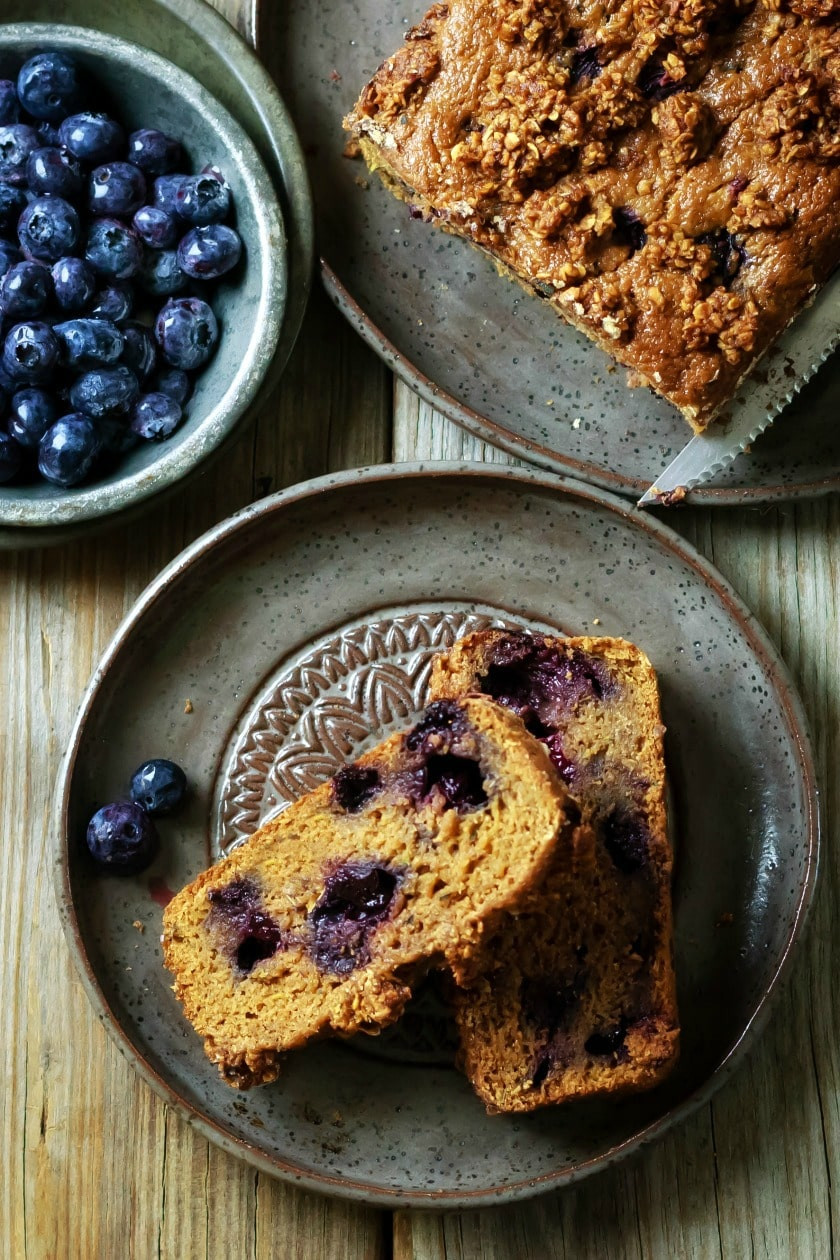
(92, 1164)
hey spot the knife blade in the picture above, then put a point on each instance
(778, 377)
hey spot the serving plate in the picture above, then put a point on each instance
(491, 358)
(287, 637)
(198, 40)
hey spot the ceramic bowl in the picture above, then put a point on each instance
(144, 89)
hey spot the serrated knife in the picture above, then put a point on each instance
(777, 378)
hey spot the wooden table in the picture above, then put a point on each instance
(94, 1165)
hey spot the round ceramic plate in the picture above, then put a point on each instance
(193, 36)
(493, 359)
(300, 630)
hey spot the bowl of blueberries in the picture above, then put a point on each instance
(143, 275)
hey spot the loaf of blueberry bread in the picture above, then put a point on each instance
(665, 175)
(577, 997)
(320, 923)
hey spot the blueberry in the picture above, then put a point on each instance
(357, 897)
(49, 86)
(90, 343)
(122, 838)
(607, 1041)
(113, 250)
(586, 65)
(139, 352)
(158, 786)
(458, 780)
(654, 81)
(187, 332)
(172, 382)
(105, 392)
(48, 229)
(33, 411)
(11, 457)
(166, 191)
(92, 138)
(54, 172)
(155, 417)
(9, 104)
(158, 229)
(215, 173)
(202, 199)
(9, 255)
(17, 141)
(115, 303)
(728, 254)
(206, 253)
(74, 284)
(25, 290)
(49, 135)
(116, 189)
(629, 229)
(12, 205)
(626, 838)
(68, 449)
(249, 933)
(117, 437)
(30, 352)
(154, 152)
(353, 786)
(161, 274)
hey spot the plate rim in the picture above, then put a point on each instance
(103, 500)
(536, 453)
(383, 1196)
(286, 166)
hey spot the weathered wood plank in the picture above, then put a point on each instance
(93, 1164)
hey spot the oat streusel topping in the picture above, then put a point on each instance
(665, 172)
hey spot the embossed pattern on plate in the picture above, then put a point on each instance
(328, 705)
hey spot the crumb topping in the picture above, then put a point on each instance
(666, 174)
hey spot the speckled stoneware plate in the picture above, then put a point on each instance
(301, 630)
(490, 357)
(192, 35)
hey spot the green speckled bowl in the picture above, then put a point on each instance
(147, 90)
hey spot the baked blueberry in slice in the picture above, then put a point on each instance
(354, 786)
(356, 898)
(250, 934)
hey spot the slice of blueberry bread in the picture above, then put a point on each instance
(578, 995)
(323, 919)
